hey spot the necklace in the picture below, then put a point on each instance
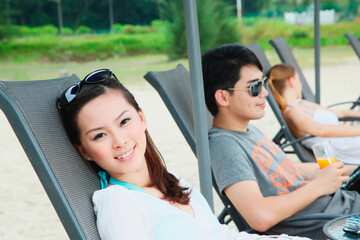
(106, 178)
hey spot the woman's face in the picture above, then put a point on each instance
(298, 85)
(112, 133)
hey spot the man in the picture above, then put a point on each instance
(252, 171)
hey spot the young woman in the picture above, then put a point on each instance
(139, 199)
(304, 117)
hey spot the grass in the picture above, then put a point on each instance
(131, 69)
(127, 69)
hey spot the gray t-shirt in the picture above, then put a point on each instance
(239, 156)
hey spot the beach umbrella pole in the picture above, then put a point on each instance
(317, 50)
(200, 122)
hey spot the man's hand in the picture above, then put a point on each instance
(331, 178)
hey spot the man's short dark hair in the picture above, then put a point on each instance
(221, 69)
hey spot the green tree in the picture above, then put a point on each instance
(217, 25)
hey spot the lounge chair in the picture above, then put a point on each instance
(69, 181)
(286, 56)
(354, 42)
(174, 88)
(284, 137)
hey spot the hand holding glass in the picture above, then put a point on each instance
(324, 154)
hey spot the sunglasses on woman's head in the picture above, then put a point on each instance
(94, 77)
(255, 88)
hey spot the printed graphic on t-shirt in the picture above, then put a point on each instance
(284, 175)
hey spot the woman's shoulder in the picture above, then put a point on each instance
(113, 193)
(292, 112)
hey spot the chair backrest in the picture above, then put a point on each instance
(174, 87)
(286, 56)
(284, 136)
(69, 181)
(259, 52)
(355, 43)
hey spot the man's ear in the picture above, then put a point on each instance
(83, 152)
(222, 97)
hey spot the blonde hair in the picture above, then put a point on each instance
(277, 77)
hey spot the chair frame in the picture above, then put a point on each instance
(354, 42)
(20, 120)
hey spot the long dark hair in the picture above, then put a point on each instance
(160, 178)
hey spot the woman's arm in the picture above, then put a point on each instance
(304, 123)
(339, 113)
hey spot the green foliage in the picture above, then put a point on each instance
(131, 29)
(215, 27)
(21, 31)
(67, 31)
(296, 36)
(94, 14)
(300, 33)
(159, 25)
(43, 43)
(83, 30)
(118, 28)
(83, 47)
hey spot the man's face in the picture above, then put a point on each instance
(242, 105)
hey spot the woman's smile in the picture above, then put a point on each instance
(126, 156)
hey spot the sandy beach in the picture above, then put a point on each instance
(25, 210)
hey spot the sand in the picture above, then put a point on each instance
(27, 213)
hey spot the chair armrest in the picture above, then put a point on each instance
(342, 103)
(350, 119)
(224, 217)
(295, 141)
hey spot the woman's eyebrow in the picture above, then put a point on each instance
(120, 115)
(99, 128)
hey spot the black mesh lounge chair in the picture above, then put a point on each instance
(354, 42)
(69, 181)
(284, 137)
(286, 56)
(174, 88)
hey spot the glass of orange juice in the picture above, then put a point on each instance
(324, 154)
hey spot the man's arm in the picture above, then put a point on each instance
(261, 213)
(308, 170)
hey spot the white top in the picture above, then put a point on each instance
(130, 215)
(325, 117)
(346, 149)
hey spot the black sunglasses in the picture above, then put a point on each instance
(255, 88)
(94, 77)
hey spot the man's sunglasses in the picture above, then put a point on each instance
(94, 77)
(255, 88)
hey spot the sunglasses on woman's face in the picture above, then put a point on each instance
(255, 88)
(94, 77)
